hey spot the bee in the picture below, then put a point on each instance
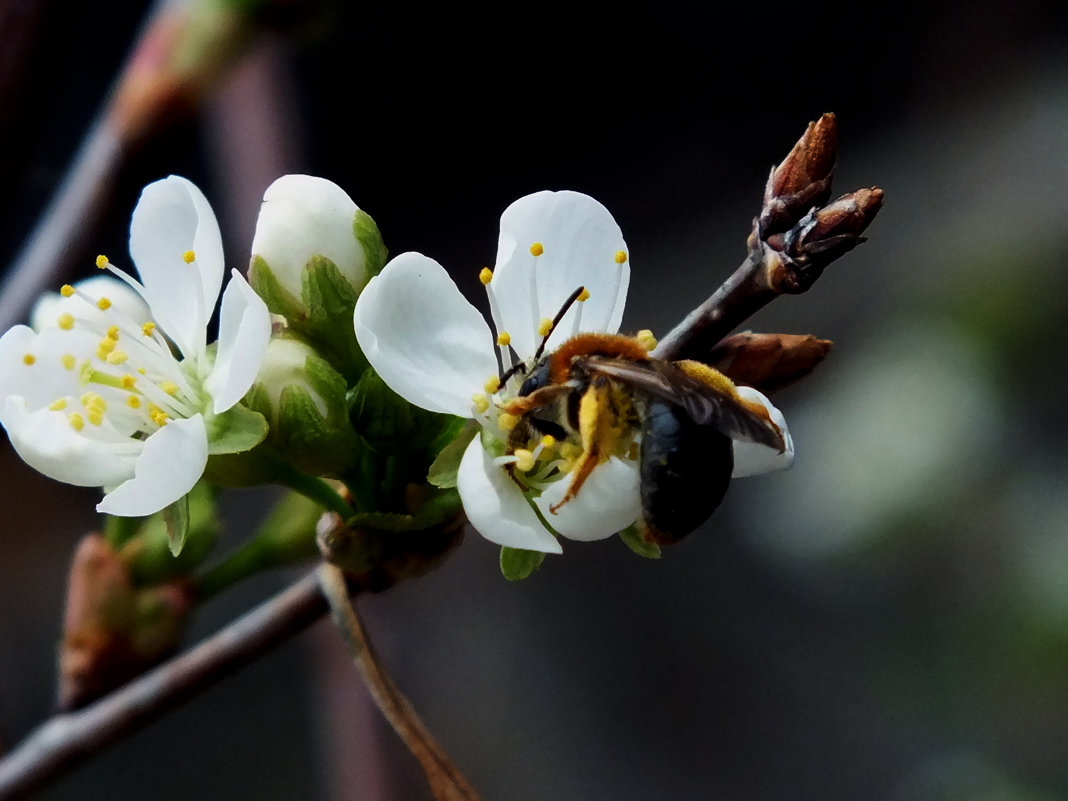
(606, 390)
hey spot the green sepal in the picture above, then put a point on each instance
(278, 300)
(176, 518)
(518, 563)
(236, 430)
(329, 300)
(150, 557)
(443, 470)
(632, 538)
(391, 424)
(370, 239)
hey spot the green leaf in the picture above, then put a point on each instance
(518, 564)
(632, 537)
(370, 239)
(236, 430)
(443, 471)
(176, 517)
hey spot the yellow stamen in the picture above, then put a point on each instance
(102, 261)
(621, 257)
(481, 402)
(118, 357)
(524, 459)
(113, 332)
(545, 327)
(58, 405)
(507, 421)
(548, 441)
(77, 422)
(96, 417)
(68, 360)
(485, 276)
(128, 381)
(169, 387)
(536, 249)
(103, 304)
(148, 328)
(66, 321)
(66, 290)
(133, 402)
(493, 383)
(189, 257)
(584, 295)
(141, 370)
(505, 339)
(646, 339)
(29, 359)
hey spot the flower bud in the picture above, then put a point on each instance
(802, 180)
(768, 361)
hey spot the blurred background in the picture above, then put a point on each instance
(888, 620)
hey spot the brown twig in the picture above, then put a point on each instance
(68, 739)
(445, 779)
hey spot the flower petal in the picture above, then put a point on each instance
(751, 458)
(46, 442)
(608, 502)
(304, 216)
(422, 336)
(171, 218)
(496, 506)
(123, 298)
(171, 462)
(244, 331)
(581, 242)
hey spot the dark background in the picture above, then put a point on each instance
(888, 620)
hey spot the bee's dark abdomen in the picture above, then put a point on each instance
(685, 471)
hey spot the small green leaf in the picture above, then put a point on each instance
(632, 537)
(370, 239)
(236, 430)
(518, 564)
(176, 517)
(445, 467)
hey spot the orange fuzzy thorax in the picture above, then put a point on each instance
(610, 345)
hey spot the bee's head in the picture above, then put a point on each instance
(537, 378)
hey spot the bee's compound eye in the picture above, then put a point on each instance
(538, 378)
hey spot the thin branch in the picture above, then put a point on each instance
(68, 739)
(446, 781)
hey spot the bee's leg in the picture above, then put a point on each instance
(535, 400)
(598, 428)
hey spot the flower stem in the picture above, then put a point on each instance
(314, 489)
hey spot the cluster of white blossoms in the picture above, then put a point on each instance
(115, 385)
(436, 350)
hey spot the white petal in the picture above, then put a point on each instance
(123, 299)
(304, 216)
(422, 336)
(46, 442)
(244, 331)
(607, 503)
(580, 241)
(496, 506)
(751, 458)
(171, 462)
(171, 218)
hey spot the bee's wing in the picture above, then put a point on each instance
(705, 404)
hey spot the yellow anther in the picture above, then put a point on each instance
(569, 450)
(504, 339)
(621, 257)
(189, 257)
(507, 421)
(118, 357)
(77, 422)
(485, 276)
(493, 383)
(148, 329)
(537, 249)
(113, 332)
(169, 387)
(133, 402)
(548, 441)
(96, 417)
(141, 370)
(103, 304)
(66, 321)
(68, 360)
(29, 359)
(157, 415)
(646, 339)
(107, 344)
(66, 290)
(128, 381)
(58, 405)
(481, 402)
(85, 398)
(102, 261)
(97, 403)
(524, 459)
(584, 295)
(545, 327)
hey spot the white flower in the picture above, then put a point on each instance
(95, 396)
(436, 350)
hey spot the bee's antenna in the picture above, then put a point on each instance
(556, 320)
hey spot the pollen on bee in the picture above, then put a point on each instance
(77, 422)
(102, 261)
(504, 339)
(545, 327)
(148, 329)
(536, 249)
(65, 321)
(68, 360)
(29, 359)
(485, 276)
(103, 304)
(481, 402)
(507, 421)
(621, 257)
(66, 290)
(493, 383)
(189, 257)
(583, 296)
